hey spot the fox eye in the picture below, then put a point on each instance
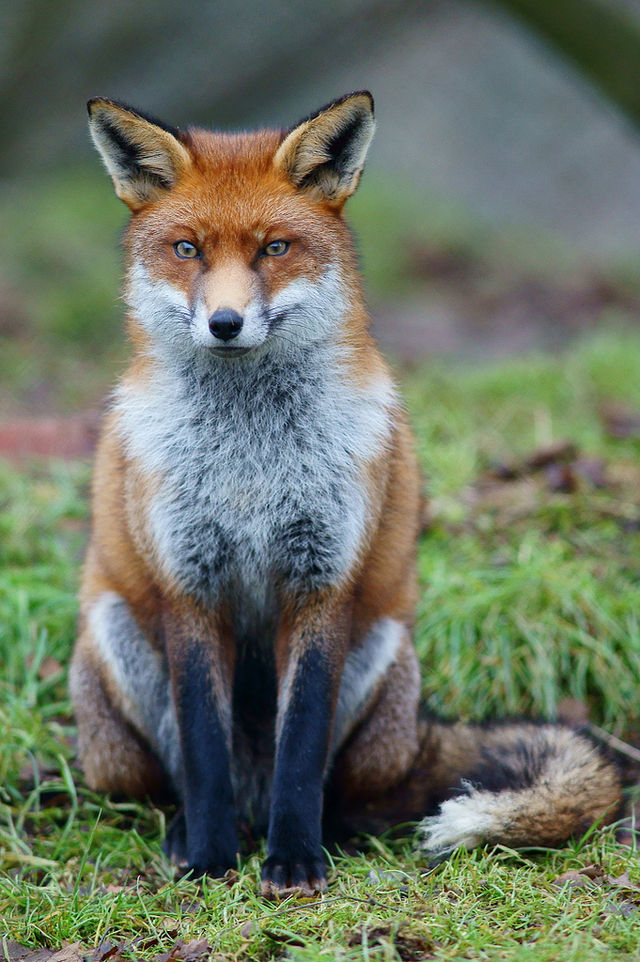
(185, 250)
(277, 248)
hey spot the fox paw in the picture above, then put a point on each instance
(175, 842)
(175, 848)
(282, 878)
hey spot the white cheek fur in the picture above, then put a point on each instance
(310, 310)
(161, 309)
(305, 312)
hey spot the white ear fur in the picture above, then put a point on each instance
(142, 156)
(326, 152)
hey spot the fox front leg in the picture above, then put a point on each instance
(307, 690)
(203, 837)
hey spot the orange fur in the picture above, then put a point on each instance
(230, 196)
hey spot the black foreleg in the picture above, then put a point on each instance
(294, 842)
(307, 693)
(204, 835)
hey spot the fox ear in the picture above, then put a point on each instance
(142, 156)
(325, 153)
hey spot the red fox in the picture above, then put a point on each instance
(248, 597)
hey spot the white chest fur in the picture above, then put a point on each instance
(261, 469)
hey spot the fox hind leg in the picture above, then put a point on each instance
(381, 748)
(128, 738)
(114, 757)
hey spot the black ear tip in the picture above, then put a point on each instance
(93, 103)
(368, 95)
(359, 94)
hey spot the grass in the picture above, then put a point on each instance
(59, 279)
(543, 588)
(528, 595)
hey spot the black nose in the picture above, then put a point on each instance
(225, 324)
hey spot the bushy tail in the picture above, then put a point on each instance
(518, 784)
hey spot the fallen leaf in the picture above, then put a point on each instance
(146, 942)
(34, 955)
(561, 478)
(559, 451)
(15, 952)
(106, 950)
(593, 470)
(197, 949)
(385, 877)
(580, 878)
(191, 907)
(48, 666)
(450, 894)
(620, 908)
(620, 420)
(409, 945)
(573, 712)
(36, 773)
(622, 882)
(74, 952)
(186, 951)
(230, 877)
(500, 471)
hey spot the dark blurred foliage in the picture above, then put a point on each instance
(224, 63)
(240, 62)
(602, 37)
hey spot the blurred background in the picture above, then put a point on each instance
(500, 211)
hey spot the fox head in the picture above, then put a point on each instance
(237, 242)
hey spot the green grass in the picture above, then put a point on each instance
(60, 319)
(543, 589)
(527, 596)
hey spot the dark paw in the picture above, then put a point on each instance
(284, 877)
(175, 848)
(175, 843)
